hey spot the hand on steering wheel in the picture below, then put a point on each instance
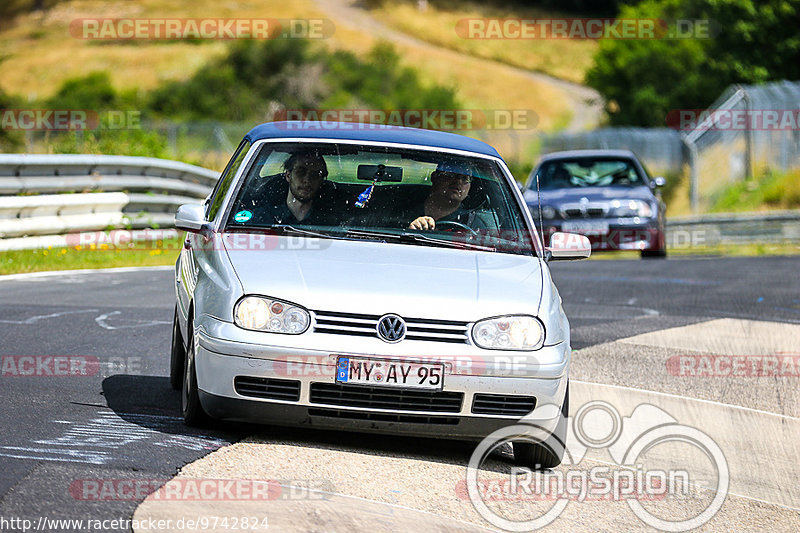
(458, 225)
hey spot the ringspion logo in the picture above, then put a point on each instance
(630, 441)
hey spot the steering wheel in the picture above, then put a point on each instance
(458, 225)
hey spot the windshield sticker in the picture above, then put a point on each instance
(243, 216)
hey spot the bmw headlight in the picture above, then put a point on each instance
(631, 208)
(548, 212)
(512, 332)
(274, 316)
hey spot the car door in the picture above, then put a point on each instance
(196, 246)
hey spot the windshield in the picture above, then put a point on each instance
(380, 193)
(588, 172)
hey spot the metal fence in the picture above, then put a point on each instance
(660, 149)
(750, 129)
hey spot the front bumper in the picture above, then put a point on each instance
(627, 236)
(220, 360)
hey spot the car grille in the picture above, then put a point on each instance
(271, 389)
(503, 405)
(386, 398)
(385, 417)
(366, 326)
(588, 211)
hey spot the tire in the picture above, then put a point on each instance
(193, 413)
(177, 355)
(547, 454)
(654, 254)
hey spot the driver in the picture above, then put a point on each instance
(450, 184)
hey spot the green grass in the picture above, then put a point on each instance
(20, 261)
(737, 250)
(769, 191)
(730, 250)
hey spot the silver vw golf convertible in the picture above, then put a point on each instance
(371, 278)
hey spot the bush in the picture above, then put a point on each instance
(113, 142)
(10, 140)
(93, 91)
(770, 190)
(254, 76)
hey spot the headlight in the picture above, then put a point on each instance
(518, 332)
(548, 212)
(631, 208)
(275, 316)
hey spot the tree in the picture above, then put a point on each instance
(644, 79)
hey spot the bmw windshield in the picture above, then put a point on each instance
(588, 172)
(382, 193)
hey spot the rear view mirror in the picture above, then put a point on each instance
(659, 181)
(569, 246)
(380, 173)
(190, 217)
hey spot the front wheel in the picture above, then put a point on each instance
(177, 356)
(193, 413)
(550, 452)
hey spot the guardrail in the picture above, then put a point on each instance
(774, 227)
(43, 197)
(144, 192)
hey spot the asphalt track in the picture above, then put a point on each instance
(628, 318)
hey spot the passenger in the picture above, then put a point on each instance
(305, 174)
(450, 185)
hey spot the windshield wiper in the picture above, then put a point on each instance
(292, 230)
(420, 238)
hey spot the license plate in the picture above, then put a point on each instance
(389, 373)
(585, 226)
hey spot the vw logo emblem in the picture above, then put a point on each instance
(391, 328)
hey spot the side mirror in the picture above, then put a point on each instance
(191, 217)
(659, 181)
(569, 246)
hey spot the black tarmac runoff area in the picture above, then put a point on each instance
(86, 397)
